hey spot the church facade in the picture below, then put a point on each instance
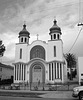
(40, 61)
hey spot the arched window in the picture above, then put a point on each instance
(25, 40)
(37, 52)
(21, 39)
(58, 36)
(54, 36)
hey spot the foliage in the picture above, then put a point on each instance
(71, 62)
(2, 48)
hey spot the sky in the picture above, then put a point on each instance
(39, 16)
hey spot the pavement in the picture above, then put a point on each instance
(44, 94)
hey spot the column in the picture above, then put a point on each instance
(21, 71)
(24, 72)
(18, 72)
(51, 70)
(56, 69)
(62, 73)
(14, 72)
(59, 71)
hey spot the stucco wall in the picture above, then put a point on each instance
(59, 52)
(80, 69)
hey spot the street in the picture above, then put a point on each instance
(26, 98)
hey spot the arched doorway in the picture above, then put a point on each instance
(37, 73)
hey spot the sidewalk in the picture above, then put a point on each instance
(44, 94)
(58, 94)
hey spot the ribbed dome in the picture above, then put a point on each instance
(24, 32)
(55, 28)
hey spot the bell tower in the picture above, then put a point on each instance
(55, 31)
(24, 35)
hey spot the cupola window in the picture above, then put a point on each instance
(25, 40)
(58, 36)
(21, 39)
(54, 36)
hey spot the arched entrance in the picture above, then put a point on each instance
(37, 73)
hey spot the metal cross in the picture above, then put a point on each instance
(37, 36)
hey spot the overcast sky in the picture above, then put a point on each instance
(39, 16)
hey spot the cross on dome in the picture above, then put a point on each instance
(24, 26)
(37, 36)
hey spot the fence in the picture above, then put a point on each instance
(53, 87)
(43, 87)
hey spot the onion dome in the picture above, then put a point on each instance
(55, 28)
(24, 32)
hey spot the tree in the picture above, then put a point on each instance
(71, 62)
(2, 48)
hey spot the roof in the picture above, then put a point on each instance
(55, 28)
(6, 66)
(24, 32)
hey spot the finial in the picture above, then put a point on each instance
(24, 26)
(37, 36)
(55, 20)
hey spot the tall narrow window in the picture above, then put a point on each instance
(49, 72)
(54, 51)
(20, 53)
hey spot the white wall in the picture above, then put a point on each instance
(80, 69)
(59, 50)
(24, 53)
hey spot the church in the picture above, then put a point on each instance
(40, 61)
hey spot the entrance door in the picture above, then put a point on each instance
(37, 74)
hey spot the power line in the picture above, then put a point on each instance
(76, 39)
